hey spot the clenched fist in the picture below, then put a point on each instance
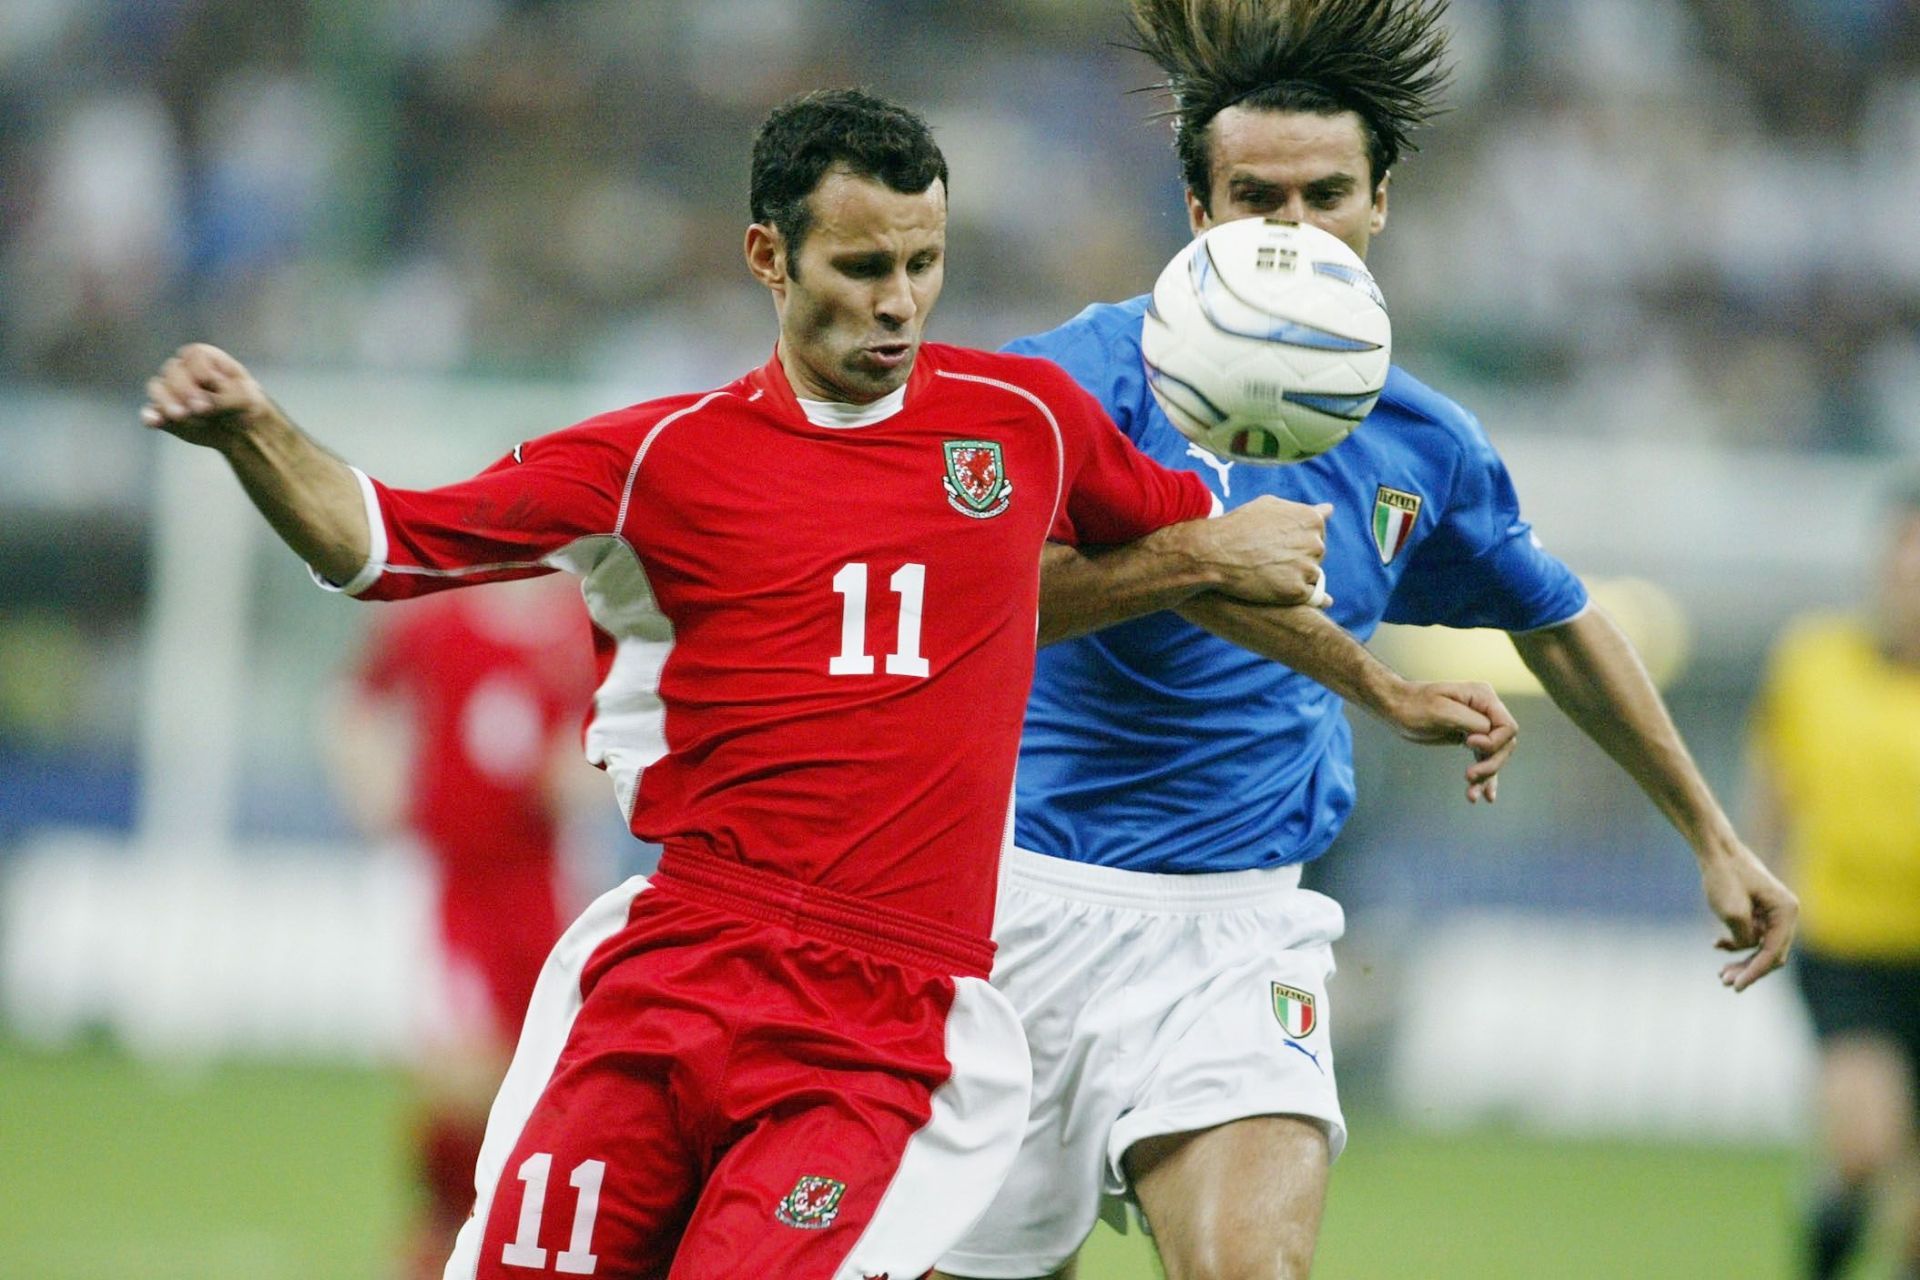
(204, 396)
(1268, 552)
(311, 498)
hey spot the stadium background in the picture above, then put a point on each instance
(1664, 248)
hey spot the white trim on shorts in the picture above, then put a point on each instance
(955, 1162)
(948, 1171)
(550, 1016)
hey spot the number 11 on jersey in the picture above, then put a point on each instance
(909, 582)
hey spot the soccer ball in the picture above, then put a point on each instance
(1266, 341)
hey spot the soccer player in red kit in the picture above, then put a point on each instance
(460, 725)
(814, 594)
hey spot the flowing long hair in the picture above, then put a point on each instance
(1383, 60)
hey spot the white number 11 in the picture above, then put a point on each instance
(909, 582)
(525, 1251)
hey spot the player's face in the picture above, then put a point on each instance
(854, 306)
(1296, 165)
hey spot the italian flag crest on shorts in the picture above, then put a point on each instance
(1295, 1010)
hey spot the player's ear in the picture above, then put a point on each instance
(1198, 219)
(1377, 219)
(767, 255)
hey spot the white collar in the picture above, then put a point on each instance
(833, 413)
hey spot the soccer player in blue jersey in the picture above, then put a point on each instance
(1170, 972)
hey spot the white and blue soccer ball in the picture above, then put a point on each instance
(1266, 341)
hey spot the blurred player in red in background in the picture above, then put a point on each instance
(814, 605)
(460, 725)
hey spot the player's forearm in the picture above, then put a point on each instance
(1083, 591)
(1591, 671)
(311, 498)
(1306, 640)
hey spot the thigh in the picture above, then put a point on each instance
(1867, 1019)
(600, 1182)
(1243, 1199)
(1243, 1026)
(870, 1169)
(1073, 1001)
(1866, 1102)
(586, 1168)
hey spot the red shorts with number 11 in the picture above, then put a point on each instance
(725, 1075)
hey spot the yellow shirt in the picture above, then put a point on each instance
(1840, 727)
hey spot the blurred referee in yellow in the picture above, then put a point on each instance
(1837, 786)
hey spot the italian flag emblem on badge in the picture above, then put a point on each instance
(1394, 511)
(976, 478)
(1294, 1008)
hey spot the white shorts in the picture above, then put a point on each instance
(1153, 1004)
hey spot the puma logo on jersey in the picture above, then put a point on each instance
(1221, 467)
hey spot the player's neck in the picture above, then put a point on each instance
(838, 413)
(825, 406)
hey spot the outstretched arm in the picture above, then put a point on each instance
(1082, 592)
(311, 498)
(1591, 670)
(1268, 551)
(1427, 712)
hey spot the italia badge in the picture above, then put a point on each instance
(812, 1204)
(1294, 1008)
(1394, 511)
(976, 479)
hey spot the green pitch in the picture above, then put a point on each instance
(112, 1170)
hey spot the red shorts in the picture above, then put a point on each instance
(491, 932)
(497, 925)
(723, 1075)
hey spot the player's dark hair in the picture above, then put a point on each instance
(1383, 60)
(807, 136)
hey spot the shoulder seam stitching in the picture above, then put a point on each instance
(639, 455)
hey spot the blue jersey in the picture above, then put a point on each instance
(1155, 746)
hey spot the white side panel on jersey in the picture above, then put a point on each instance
(550, 1016)
(954, 1164)
(627, 732)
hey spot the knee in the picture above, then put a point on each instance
(1867, 1104)
(1867, 1147)
(1859, 1164)
(1290, 1258)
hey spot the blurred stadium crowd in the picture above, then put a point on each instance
(1640, 221)
(1671, 241)
(1678, 217)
